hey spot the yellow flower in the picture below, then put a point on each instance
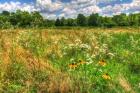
(72, 66)
(102, 63)
(106, 76)
(81, 62)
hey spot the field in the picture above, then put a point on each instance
(76, 60)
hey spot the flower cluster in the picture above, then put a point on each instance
(78, 45)
(74, 65)
(102, 63)
(106, 76)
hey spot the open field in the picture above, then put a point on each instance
(70, 61)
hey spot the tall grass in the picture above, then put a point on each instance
(70, 60)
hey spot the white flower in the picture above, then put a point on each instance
(111, 54)
(93, 56)
(64, 53)
(78, 41)
(71, 60)
(100, 70)
(96, 47)
(88, 63)
(85, 46)
(139, 85)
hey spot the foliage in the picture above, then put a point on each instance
(24, 19)
(57, 22)
(81, 20)
(94, 20)
(70, 61)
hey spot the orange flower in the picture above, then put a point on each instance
(102, 63)
(72, 66)
(106, 76)
(81, 62)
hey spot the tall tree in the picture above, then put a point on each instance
(139, 19)
(15, 18)
(71, 22)
(121, 20)
(48, 23)
(133, 20)
(63, 21)
(108, 22)
(37, 19)
(5, 13)
(57, 22)
(25, 19)
(93, 20)
(81, 20)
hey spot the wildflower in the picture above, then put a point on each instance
(88, 63)
(139, 85)
(71, 60)
(96, 47)
(102, 63)
(111, 54)
(100, 70)
(89, 60)
(78, 41)
(106, 76)
(81, 62)
(85, 46)
(72, 66)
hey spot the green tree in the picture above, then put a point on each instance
(4, 20)
(15, 18)
(71, 22)
(93, 20)
(5, 13)
(121, 20)
(81, 20)
(57, 22)
(139, 19)
(63, 21)
(48, 23)
(37, 19)
(133, 20)
(108, 22)
(25, 19)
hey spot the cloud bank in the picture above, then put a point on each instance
(60, 8)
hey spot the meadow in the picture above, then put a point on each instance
(75, 60)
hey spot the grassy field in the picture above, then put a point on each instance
(70, 61)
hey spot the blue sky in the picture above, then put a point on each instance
(22, 1)
(70, 8)
(113, 2)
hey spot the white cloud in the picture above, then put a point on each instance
(132, 7)
(57, 8)
(48, 5)
(12, 6)
(91, 9)
(50, 16)
(70, 9)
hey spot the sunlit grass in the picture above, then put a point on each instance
(70, 60)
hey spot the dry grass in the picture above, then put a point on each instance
(35, 49)
(125, 84)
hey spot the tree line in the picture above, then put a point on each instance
(95, 20)
(24, 19)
